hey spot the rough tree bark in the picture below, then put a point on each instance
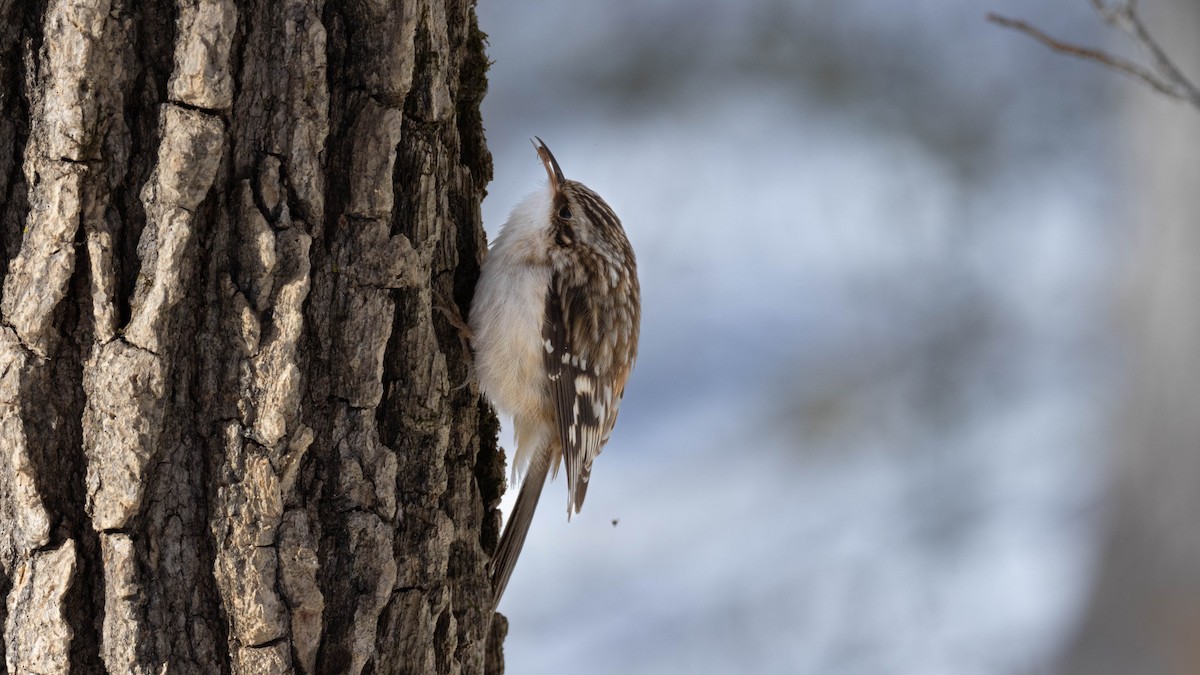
(230, 439)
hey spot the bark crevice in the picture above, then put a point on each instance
(230, 438)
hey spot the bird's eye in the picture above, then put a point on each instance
(564, 212)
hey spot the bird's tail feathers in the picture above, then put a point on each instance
(513, 538)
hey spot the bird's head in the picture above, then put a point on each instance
(577, 215)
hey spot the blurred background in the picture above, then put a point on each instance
(882, 249)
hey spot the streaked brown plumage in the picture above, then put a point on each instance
(555, 321)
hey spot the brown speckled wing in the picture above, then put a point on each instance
(585, 394)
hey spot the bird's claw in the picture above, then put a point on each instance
(450, 310)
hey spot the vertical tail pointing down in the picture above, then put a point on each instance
(518, 524)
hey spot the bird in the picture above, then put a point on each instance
(554, 321)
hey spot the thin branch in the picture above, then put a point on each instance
(1161, 60)
(1114, 15)
(1167, 79)
(1124, 17)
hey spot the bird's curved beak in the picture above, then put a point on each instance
(551, 164)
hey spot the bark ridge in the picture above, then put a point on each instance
(231, 438)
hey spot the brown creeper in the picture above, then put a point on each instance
(555, 322)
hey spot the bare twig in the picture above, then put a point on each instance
(1124, 17)
(1115, 14)
(1165, 77)
(1131, 23)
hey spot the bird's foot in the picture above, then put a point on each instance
(447, 307)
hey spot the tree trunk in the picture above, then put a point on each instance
(231, 435)
(1144, 614)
